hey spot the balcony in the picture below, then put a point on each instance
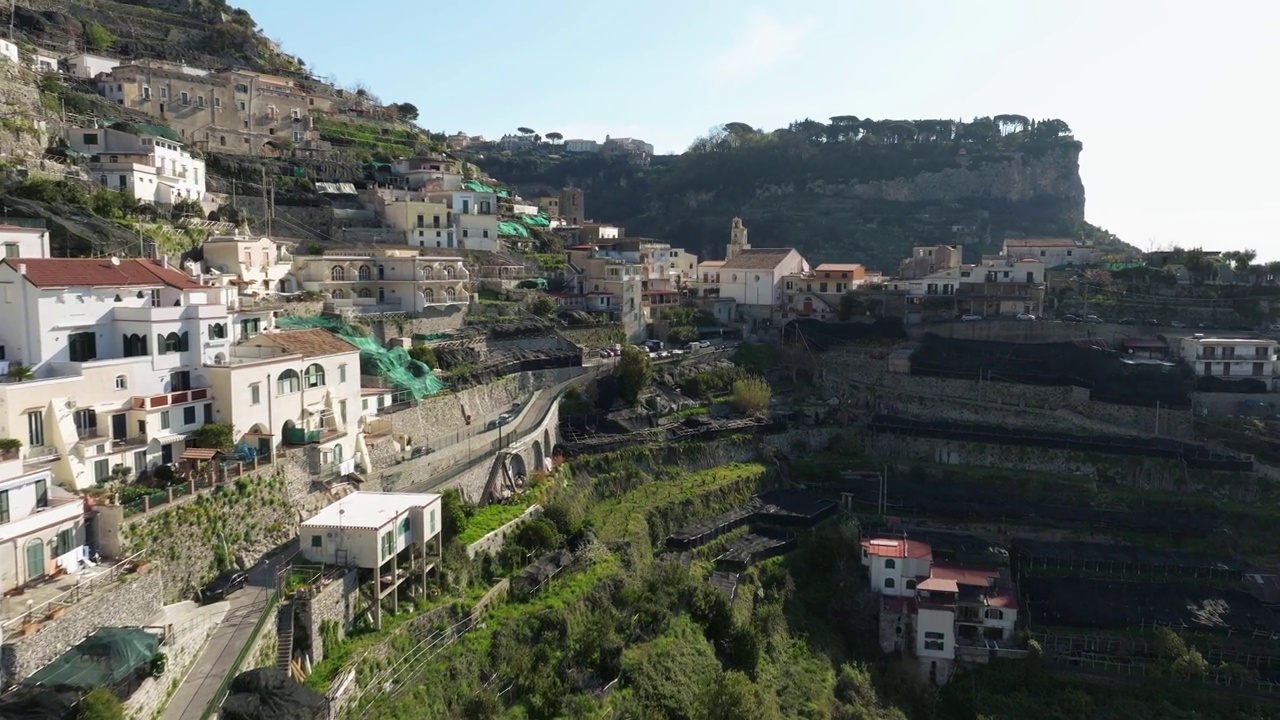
(61, 509)
(1242, 358)
(302, 436)
(164, 400)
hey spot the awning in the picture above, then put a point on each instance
(199, 454)
(170, 439)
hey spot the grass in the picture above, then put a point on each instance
(490, 518)
(595, 337)
(626, 518)
(687, 412)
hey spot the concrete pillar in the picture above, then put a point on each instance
(170, 489)
(146, 503)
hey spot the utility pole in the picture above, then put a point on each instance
(266, 209)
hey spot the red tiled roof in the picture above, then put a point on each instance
(1003, 599)
(934, 584)
(757, 259)
(898, 548)
(100, 272)
(964, 574)
(838, 267)
(899, 605)
(308, 343)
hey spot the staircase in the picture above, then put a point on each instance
(284, 636)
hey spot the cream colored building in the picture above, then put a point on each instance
(294, 388)
(256, 265)
(390, 280)
(41, 526)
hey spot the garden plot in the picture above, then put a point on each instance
(1118, 604)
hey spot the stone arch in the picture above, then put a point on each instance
(546, 440)
(518, 468)
(539, 465)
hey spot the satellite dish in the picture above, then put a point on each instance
(115, 261)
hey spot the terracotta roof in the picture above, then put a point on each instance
(711, 263)
(1003, 599)
(899, 605)
(934, 584)
(309, 343)
(964, 574)
(100, 272)
(757, 258)
(1041, 242)
(838, 267)
(888, 547)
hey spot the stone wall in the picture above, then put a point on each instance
(867, 381)
(336, 602)
(293, 219)
(182, 646)
(430, 321)
(128, 602)
(1229, 403)
(493, 542)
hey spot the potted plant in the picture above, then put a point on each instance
(9, 448)
(29, 627)
(159, 662)
(18, 373)
(56, 613)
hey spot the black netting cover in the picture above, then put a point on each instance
(1223, 385)
(111, 657)
(270, 694)
(819, 335)
(28, 703)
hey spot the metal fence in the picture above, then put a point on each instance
(222, 474)
(48, 609)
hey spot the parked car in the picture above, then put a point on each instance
(970, 317)
(1026, 316)
(1275, 326)
(1070, 318)
(1177, 324)
(699, 345)
(1093, 319)
(1127, 321)
(221, 587)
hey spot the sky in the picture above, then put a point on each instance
(1169, 97)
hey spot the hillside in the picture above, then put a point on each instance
(851, 190)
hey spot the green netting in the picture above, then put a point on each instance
(430, 337)
(477, 186)
(510, 228)
(393, 364)
(163, 131)
(1123, 265)
(103, 659)
(539, 220)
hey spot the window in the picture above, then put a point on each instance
(42, 493)
(217, 102)
(11, 250)
(189, 415)
(342, 411)
(317, 541)
(91, 138)
(208, 413)
(890, 564)
(35, 428)
(66, 541)
(342, 373)
(200, 100)
(86, 423)
(314, 375)
(4, 506)
(432, 517)
(242, 88)
(422, 221)
(485, 233)
(185, 99)
(82, 346)
(250, 327)
(101, 470)
(146, 93)
(139, 461)
(255, 393)
(288, 382)
(888, 582)
(911, 584)
(404, 525)
(222, 140)
(337, 274)
(170, 343)
(164, 420)
(242, 106)
(218, 331)
(388, 545)
(164, 93)
(1257, 368)
(364, 273)
(994, 614)
(155, 298)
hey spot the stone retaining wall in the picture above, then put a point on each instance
(493, 542)
(335, 602)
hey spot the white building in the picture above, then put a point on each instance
(44, 62)
(258, 265)
(516, 142)
(1053, 252)
(752, 277)
(578, 145)
(116, 350)
(293, 388)
(393, 538)
(390, 280)
(152, 168)
(41, 526)
(1231, 357)
(84, 65)
(9, 51)
(896, 564)
(24, 242)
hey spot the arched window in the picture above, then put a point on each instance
(995, 614)
(337, 453)
(220, 359)
(135, 345)
(122, 382)
(170, 343)
(365, 293)
(288, 382)
(448, 272)
(888, 582)
(314, 375)
(428, 296)
(449, 294)
(890, 564)
(337, 274)
(364, 273)
(339, 295)
(911, 584)
(218, 331)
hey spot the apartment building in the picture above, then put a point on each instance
(41, 525)
(930, 259)
(1053, 252)
(149, 164)
(233, 111)
(425, 223)
(390, 280)
(817, 293)
(116, 351)
(294, 388)
(1003, 286)
(23, 240)
(1231, 358)
(255, 265)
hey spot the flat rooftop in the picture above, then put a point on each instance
(368, 510)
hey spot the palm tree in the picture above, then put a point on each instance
(18, 373)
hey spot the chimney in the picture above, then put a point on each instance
(22, 268)
(164, 261)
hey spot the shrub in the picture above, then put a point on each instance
(542, 306)
(752, 395)
(425, 355)
(218, 436)
(97, 37)
(100, 704)
(636, 373)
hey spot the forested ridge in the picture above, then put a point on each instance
(851, 189)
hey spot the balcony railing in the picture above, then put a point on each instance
(1216, 357)
(169, 399)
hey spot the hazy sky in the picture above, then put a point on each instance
(1173, 100)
